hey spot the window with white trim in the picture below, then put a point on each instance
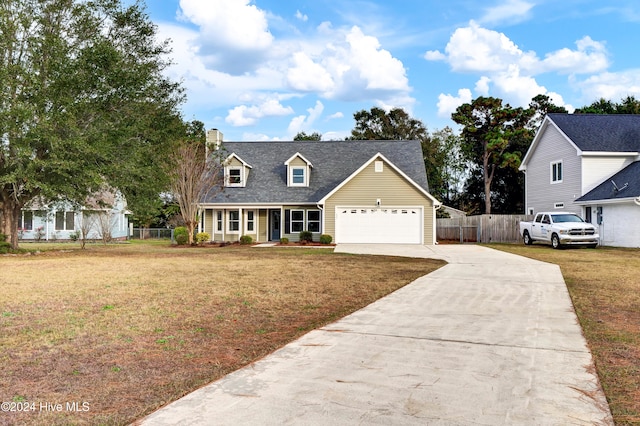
(556, 172)
(313, 221)
(65, 221)
(250, 223)
(26, 221)
(558, 205)
(234, 176)
(297, 221)
(234, 221)
(298, 176)
(378, 166)
(219, 221)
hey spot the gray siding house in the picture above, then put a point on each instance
(104, 216)
(588, 164)
(355, 191)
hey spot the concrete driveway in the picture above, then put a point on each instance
(491, 338)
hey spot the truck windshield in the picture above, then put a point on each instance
(560, 218)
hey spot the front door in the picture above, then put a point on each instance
(274, 225)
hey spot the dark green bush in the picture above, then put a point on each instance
(326, 239)
(246, 239)
(181, 235)
(306, 236)
(5, 247)
(284, 240)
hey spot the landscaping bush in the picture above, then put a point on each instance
(202, 237)
(181, 235)
(284, 240)
(326, 239)
(246, 239)
(306, 236)
(5, 247)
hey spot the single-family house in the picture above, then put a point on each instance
(103, 216)
(355, 191)
(588, 164)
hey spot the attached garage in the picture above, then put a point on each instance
(388, 225)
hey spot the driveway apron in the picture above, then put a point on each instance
(491, 338)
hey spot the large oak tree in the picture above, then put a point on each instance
(83, 103)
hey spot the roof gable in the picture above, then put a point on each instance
(300, 156)
(379, 156)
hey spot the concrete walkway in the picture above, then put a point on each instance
(489, 339)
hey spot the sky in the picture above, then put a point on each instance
(269, 69)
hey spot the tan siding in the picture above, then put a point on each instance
(208, 222)
(297, 161)
(389, 186)
(262, 225)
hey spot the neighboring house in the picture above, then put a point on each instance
(355, 191)
(588, 164)
(104, 216)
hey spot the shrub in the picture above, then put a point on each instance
(326, 239)
(181, 235)
(5, 247)
(246, 239)
(306, 236)
(74, 236)
(284, 240)
(202, 237)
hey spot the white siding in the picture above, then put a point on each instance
(541, 194)
(620, 225)
(597, 169)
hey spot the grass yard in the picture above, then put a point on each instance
(605, 288)
(114, 332)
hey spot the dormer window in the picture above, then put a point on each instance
(298, 176)
(235, 176)
(298, 170)
(236, 171)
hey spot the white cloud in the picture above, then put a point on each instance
(350, 66)
(231, 59)
(611, 85)
(301, 16)
(248, 115)
(508, 71)
(335, 116)
(511, 12)
(435, 55)
(304, 122)
(590, 57)
(308, 76)
(234, 34)
(477, 49)
(447, 104)
(482, 86)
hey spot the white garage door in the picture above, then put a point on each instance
(400, 225)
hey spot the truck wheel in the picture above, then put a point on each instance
(555, 241)
(527, 238)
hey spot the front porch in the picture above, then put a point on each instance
(261, 223)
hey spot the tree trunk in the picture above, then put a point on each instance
(9, 219)
(191, 227)
(487, 181)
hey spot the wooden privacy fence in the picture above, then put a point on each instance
(486, 228)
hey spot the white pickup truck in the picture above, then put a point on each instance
(558, 229)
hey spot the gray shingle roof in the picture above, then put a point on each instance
(333, 162)
(629, 176)
(601, 132)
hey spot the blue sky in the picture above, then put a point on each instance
(268, 69)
